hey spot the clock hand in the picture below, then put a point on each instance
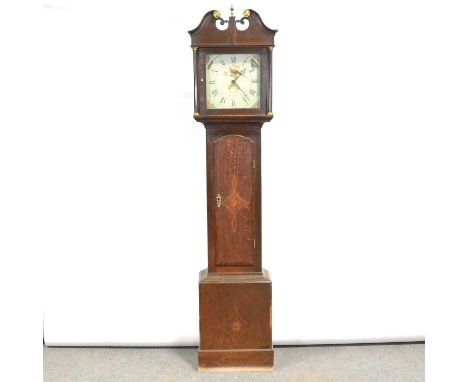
(235, 79)
(234, 83)
(238, 87)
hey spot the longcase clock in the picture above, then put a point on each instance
(233, 74)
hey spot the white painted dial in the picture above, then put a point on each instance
(233, 81)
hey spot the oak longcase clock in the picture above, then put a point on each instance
(232, 73)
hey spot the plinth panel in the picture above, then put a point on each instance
(235, 321)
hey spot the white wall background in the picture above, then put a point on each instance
(360, 166)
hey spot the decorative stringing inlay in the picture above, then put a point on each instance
(235, 326)
(234, 202)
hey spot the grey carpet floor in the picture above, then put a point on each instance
(376, 363)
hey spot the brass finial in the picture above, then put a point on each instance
(216, 14)
(246, 13)
(232, 10)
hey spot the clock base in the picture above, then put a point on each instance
(235, 322)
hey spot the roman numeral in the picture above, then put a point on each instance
(233, 103)
(252, 92)
(245, 98)
(233, 59)
(212, 81)
(222, 62)
(222, 100)
(251, 70)
(215, 92)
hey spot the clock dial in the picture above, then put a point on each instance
(233, 81)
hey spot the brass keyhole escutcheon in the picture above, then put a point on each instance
(218, 200)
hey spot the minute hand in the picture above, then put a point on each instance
(238, 87)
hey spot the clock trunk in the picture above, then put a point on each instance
(234, 198)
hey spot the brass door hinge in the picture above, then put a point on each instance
(253, 163)
(254, 243)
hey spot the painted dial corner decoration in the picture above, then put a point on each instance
(233, 81)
